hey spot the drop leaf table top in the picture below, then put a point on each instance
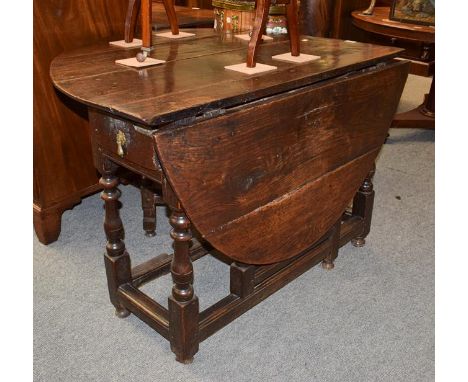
(194, 80)
(223, 173)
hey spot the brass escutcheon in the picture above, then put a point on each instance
(120, 140)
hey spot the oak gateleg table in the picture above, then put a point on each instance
(261, 168)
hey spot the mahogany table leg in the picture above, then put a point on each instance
(183, 303)
(261, 14)
(149, 210)
(363, 204)
(291, 16)
(328, 261)
(131, 19)
(116, 259)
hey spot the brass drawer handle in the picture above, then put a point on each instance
(121, 140)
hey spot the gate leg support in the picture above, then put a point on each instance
(149, 210)
(363, 204)
(328, 261)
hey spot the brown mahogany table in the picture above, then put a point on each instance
(419, 42)
(257, 170)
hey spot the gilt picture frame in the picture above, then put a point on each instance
(420, 12)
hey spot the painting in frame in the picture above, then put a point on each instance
(413, 11)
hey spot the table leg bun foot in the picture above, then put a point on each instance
(122, 312)
(358, 242)
(328, 265)
(150, 233)
(185, 361)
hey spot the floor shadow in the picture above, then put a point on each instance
(411, 136)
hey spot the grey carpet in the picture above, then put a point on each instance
(370, 319)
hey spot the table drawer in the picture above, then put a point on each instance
(124, 142)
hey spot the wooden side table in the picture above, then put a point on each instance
(419, 44)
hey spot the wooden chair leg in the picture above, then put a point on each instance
(146, 30)
(131, 19)
(171, 15)
(363, 204)
(116, 259)
(146, 24)
(328, 261)
(291, 15)
(261, 14)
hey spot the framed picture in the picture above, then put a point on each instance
(413, 11)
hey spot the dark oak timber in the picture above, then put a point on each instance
(257, 170)
(116, 259)
(261, 172)
(363, 203)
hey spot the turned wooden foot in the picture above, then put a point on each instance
(358, 242)
(122, 312)
(328, 261)
(187, 361)
(328, 265)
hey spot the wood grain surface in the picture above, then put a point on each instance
(280, 173)
(273, 158)
(193, 80)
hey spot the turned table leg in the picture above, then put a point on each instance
(183, 303)
(116, 259)
(363, 204)
(328, 261)
(149, 210)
